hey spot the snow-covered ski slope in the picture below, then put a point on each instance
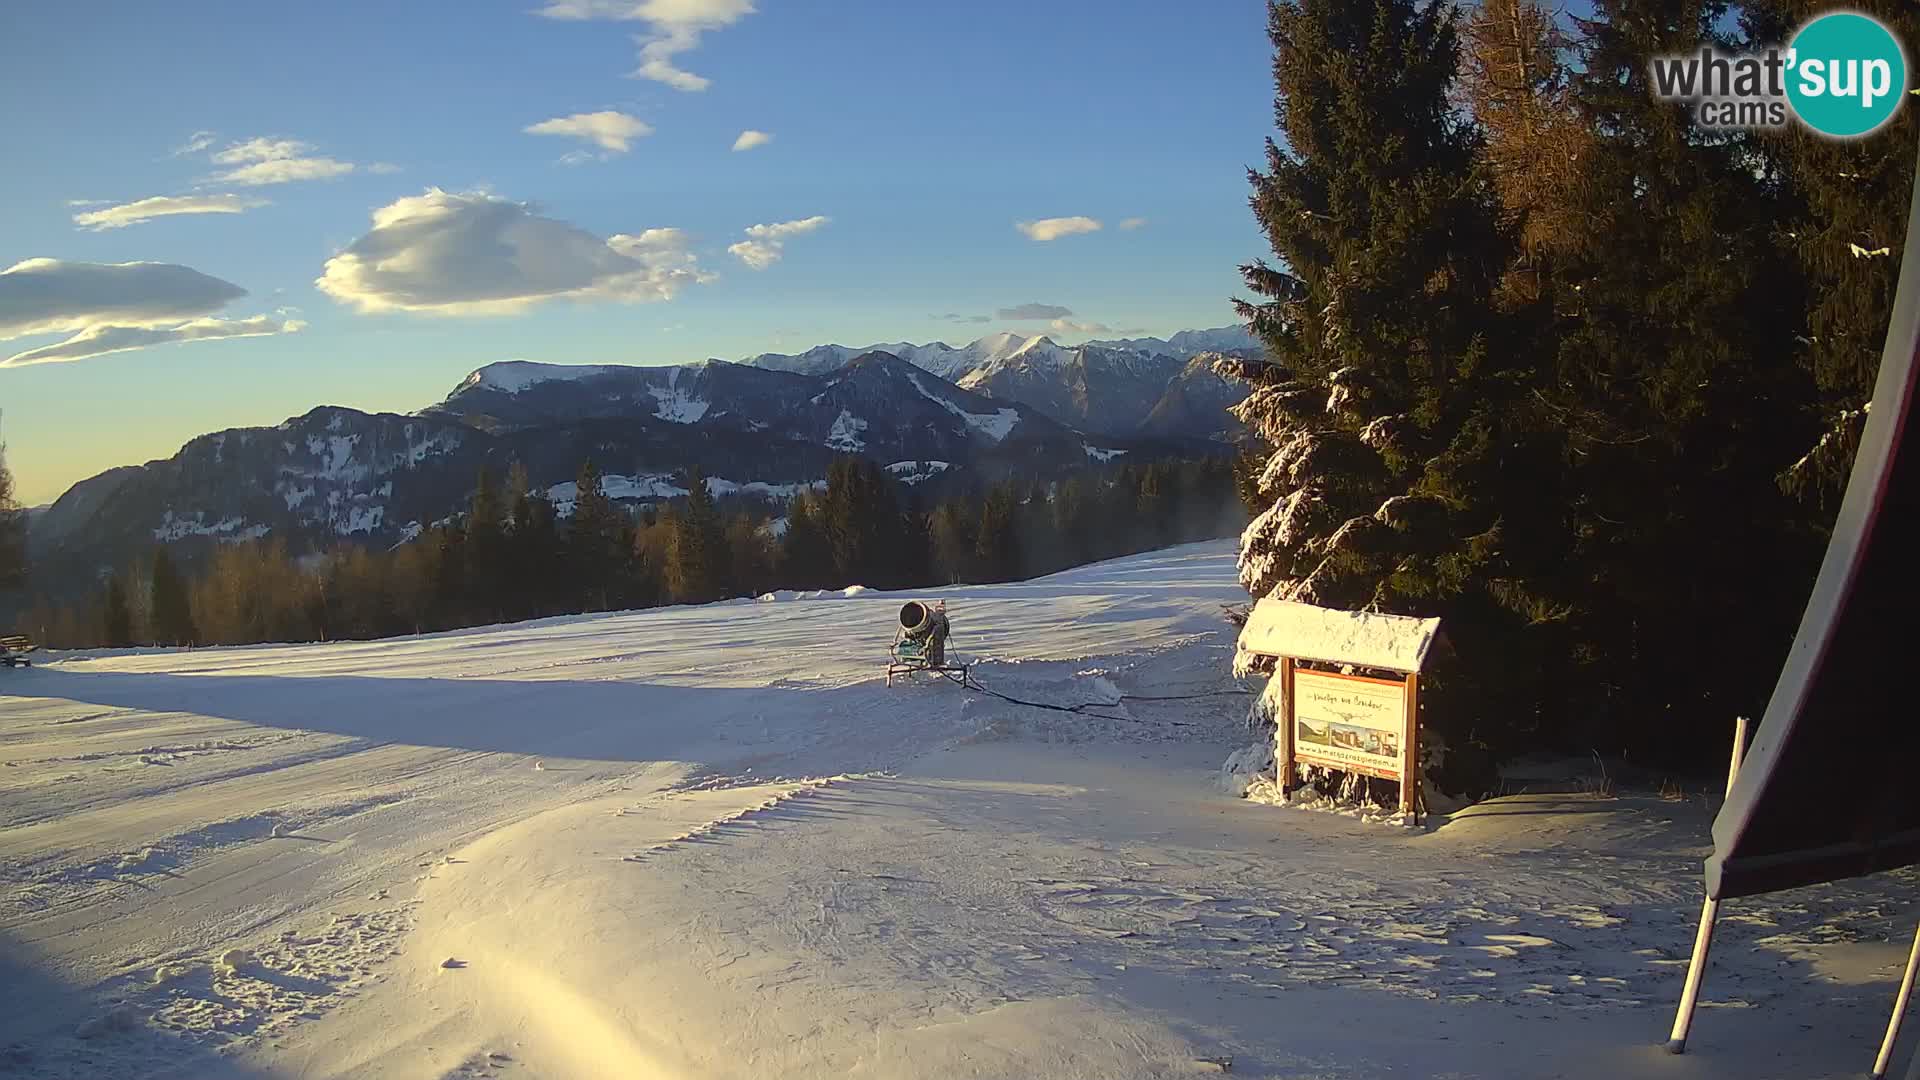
(707, 842)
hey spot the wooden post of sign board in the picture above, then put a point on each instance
(1410, 754)
(1283, 750)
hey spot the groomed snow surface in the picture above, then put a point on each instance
(707, 842)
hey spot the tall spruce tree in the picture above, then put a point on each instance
(116, 615)
(996, 546)
(698, 566)
(1677, 390)
(1844, 220)
(951, 536)
(413, 572)
(914, 565)
(748, 554)
(170, 611)
(486, 550)
(1072, 514)
(1153, 511)
(13, 531)
(598, 547)
(862, 521)
(806, 554)
(1404, 472)
(534, 562)
(449, 592)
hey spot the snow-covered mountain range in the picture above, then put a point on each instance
(767, 428)
(1107, 387)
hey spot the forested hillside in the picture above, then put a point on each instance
(512, 555)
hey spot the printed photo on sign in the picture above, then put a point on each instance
(1345, 722)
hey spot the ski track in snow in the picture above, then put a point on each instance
(705, 841)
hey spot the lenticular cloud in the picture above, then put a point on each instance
(114, 307)
(471, 253)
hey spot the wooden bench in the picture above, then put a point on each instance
(14, 649)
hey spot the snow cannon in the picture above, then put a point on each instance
(920, 641)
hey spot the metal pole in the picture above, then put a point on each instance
(1913, 1067)
(1899, 1013)
(1739, 751)
(1709, 911)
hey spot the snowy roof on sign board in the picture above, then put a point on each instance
(1305, 632)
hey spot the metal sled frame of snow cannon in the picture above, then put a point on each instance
(14, 650)
(920, 642)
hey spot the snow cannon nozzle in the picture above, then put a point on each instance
(916, 617)
(920, 620)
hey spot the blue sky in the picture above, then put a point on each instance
(921, 133)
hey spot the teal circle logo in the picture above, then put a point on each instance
(1848, 74)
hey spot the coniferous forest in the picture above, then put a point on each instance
(511, 556)
(1543, 358)
(1550, 361)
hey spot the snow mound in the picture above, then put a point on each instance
(1246, 767)
(781, 596)
(120, 1018)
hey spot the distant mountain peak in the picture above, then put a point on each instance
(513, 376)
(1042, 343)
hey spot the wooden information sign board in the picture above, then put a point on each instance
(1367, 725)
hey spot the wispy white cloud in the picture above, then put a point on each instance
(673, 27)
(757, 254)
(383, 168)
(454, 253)
(1055, 227)
(113, 307)
(765, 244)
(133, 213)
(611, 131)
(195, 143)
(582, 10)
(260, 161)
(259, 149)
(101, 340)
(750, 138)
(954, 316)
(677, 26)
(1132, 223)
(782, 230)
(286, 172)
(1034, 311)
(1069, 326)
